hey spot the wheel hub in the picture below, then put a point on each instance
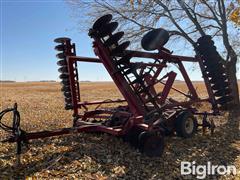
(189, 125)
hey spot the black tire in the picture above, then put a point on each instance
(151, 144)
(186, 125)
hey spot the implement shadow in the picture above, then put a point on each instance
(113, 158)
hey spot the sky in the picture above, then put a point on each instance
(28, 29)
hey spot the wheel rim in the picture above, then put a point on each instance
(189, 125)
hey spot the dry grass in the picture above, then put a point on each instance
(100, 156)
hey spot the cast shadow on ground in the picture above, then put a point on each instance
(109, 152)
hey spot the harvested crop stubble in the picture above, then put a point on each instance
(100, 156)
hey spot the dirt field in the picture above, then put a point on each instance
(100, 156)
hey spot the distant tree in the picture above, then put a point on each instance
(184, 19)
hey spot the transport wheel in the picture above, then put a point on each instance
(186, 125)
(151, 143)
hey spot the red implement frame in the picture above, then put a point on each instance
(135, 111)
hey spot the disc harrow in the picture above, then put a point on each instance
(121, 60)
(66, 49)
(215, 71)
(147, 111)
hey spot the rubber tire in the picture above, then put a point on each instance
(180, 124)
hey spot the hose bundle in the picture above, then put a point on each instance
(15, 131)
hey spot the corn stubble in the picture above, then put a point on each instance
(100, 156)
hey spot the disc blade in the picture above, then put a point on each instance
(62, 62)
(65, 88)
(61, 55)
(102, 20)
(68, 100)
(224, 100)
(59, 47)
(107, 29)
(114, 39)
(125, 59)
(119, 49)
(67, 94)
(63, 76)
(222, 92)
(62, 40)
(63, 69)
